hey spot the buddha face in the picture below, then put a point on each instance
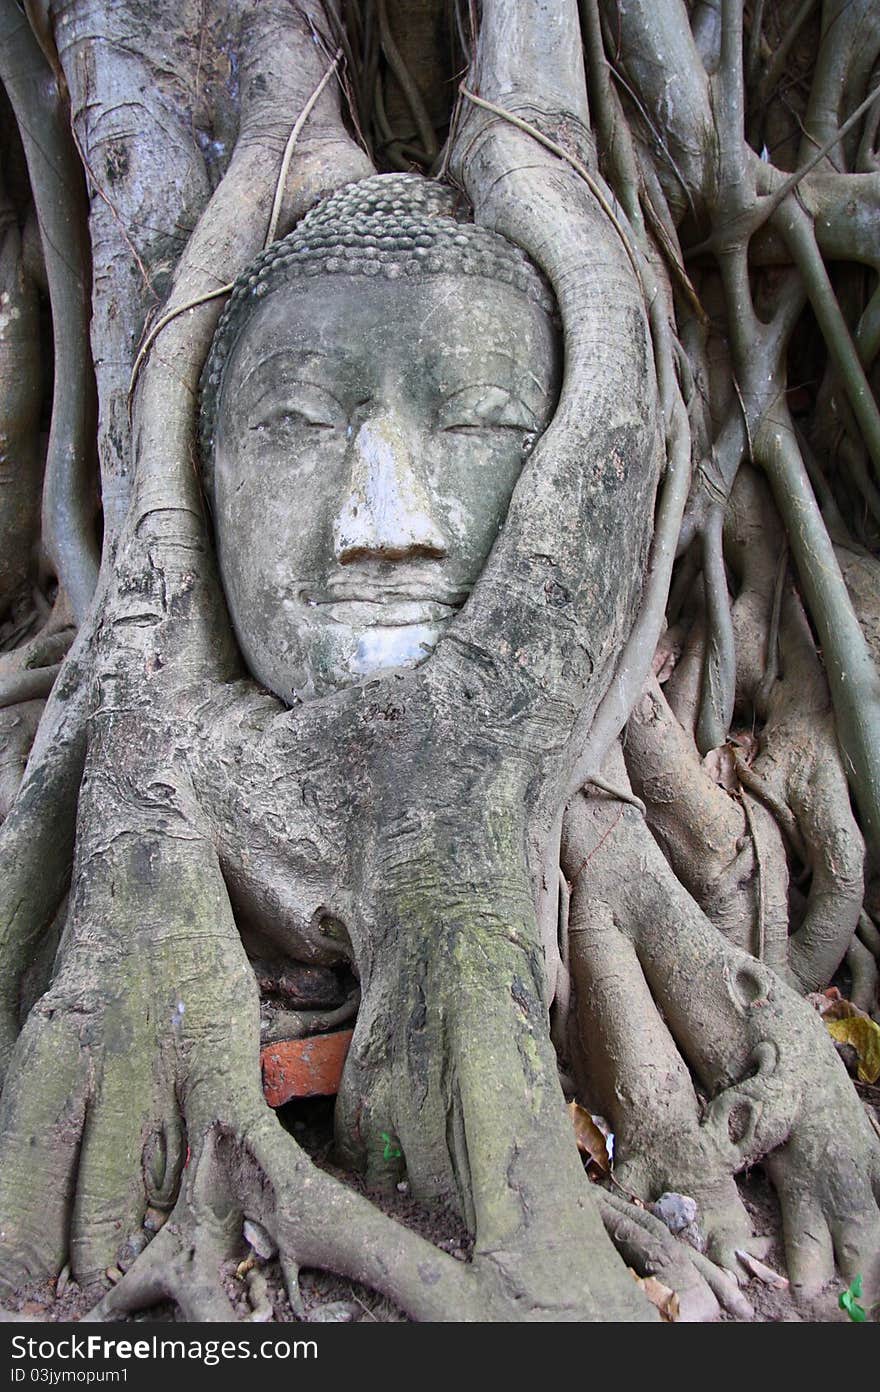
(368, 437)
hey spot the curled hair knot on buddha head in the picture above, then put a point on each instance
(389, 225)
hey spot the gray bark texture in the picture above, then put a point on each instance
(603, 843)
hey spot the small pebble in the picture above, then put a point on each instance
(154, 1219)
(260, 1241)
(113, 1274)
(678, 1211)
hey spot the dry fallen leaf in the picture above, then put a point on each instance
(863, 1034)
(666, 655)
(746, 746)
(828, 1001)
(590, 1140)
(720, 765)
(662, 1297)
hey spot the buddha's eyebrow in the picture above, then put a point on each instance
(296, 357)
(478, 366)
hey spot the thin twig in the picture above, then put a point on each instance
(163, 322)
(209, 295)
(576, 165)
(291, 145)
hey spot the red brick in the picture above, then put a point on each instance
(304, 1067)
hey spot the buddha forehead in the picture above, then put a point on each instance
(416, 338)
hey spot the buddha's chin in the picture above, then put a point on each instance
(320, 658)
(380, 648)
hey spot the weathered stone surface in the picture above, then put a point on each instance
(364, 434)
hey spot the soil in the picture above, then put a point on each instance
(328, 1298)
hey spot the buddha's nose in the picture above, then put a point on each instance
(386, 514)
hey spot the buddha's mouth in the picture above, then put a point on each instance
(397, 611)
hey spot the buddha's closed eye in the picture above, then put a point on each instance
(305, 405)
(485, 406)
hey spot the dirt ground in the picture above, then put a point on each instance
(329, 1298)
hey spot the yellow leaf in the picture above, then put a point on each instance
(590, 1140)
(864, 1036)
(659, 1295)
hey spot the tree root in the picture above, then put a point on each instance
(36, 840)
(18, 725)
(703, 1289)
(777, 1086)
(69, 499)
(20, 462)
(799, 762)
(729, 853)
(139, 1039)
(703, 830)
(865, 977)
(252, 1169)
(333, 830)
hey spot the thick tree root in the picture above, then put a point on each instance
(706, 833)
(800, 763)
(777, 1086)
(20, 462)
(151, 1032)
(730, 852)
(255, 1171)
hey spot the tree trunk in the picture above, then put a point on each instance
(598, 844)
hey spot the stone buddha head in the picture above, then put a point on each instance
(374, 387)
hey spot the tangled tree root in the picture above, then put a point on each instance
(776, 1086)
(703, 1288)
(208, 816)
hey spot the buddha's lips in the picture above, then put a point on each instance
(388, 612)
